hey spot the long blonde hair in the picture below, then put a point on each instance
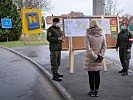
(93, 23)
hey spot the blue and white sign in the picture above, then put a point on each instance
(33, 20)
(6, 23)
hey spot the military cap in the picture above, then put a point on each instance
(56, 20)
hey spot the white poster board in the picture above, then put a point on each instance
(75, 27)
(104, 24)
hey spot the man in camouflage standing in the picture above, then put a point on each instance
(54, 38)
(124, 46)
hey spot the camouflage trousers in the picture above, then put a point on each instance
(124, 58)
(55, 59)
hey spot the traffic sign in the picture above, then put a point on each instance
(6, 23)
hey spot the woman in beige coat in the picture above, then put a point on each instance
(95, 49)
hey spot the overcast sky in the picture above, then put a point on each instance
(85, 6)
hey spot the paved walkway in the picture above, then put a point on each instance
(113, 85)
(20, 79)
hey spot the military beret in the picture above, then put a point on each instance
(56, 20)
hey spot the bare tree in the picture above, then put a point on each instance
(112, 7)
(39, 4)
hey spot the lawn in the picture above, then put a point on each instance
(30, 40)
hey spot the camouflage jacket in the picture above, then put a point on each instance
(123, 40)
(53, 33)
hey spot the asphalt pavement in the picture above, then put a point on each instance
(21, 79)
(113, 85)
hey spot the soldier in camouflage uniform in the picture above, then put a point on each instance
(124, 47)
(54, 38)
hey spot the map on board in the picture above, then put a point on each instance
(104, 24)
(75, 27)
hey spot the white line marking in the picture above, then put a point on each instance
(117, 65)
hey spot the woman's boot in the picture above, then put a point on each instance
(96, 93)
(91, 93)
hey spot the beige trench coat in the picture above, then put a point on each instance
(95, 45)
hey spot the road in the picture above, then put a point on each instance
(22, 80)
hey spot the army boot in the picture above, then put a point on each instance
(121, 71)
(59, 75)
(55, 77)
(125, 72)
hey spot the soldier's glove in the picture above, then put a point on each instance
(128, 50)
(60, 39)
(99, 59)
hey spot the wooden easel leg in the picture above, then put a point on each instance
(69, 60)
(72, 62)
(105, 65)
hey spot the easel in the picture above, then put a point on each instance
(70, 63)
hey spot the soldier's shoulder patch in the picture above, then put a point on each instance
(49, 34)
